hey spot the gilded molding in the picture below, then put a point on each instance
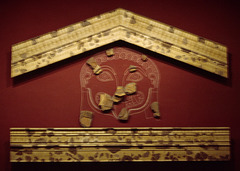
(117, 25)
(119, 144)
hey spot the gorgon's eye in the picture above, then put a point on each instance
(105, 76)
(134, 77)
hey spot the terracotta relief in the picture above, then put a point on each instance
(126, 86)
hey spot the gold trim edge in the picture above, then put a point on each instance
(117, 25)
(120, 144)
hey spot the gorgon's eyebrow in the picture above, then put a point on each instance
(138, 69)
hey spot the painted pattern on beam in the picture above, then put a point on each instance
(119, 144)
(117, 25)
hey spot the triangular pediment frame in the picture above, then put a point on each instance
(113, 26)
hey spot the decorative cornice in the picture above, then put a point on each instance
(117, 25)
(119, 144)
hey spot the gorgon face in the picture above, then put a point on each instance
(115, 72)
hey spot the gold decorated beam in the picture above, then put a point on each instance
(119, 144)
(117, 25)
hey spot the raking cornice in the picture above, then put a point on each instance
(117, 25)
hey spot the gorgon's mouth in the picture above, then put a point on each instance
(136, 100)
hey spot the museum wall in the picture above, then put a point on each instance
(52, 97)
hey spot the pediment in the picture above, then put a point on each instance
(113, 26)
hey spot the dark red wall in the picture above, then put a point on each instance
(51, 97)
